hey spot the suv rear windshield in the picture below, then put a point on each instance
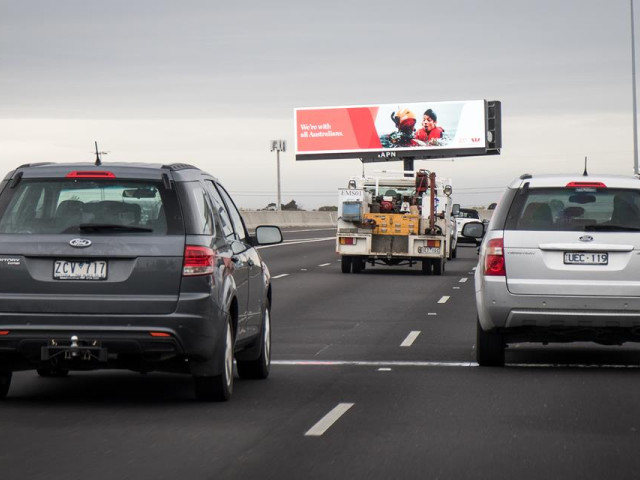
(575, 209)
(42, 206)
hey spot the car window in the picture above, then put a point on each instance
(236, 218)
(61, 205)
(221, 210)
(581, 209)
(199, 212)
(468, 214)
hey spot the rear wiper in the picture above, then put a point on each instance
(612, 228)
(95, 227)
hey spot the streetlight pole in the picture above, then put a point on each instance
(635, 108)
(278, 146)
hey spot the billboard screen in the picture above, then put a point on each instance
(387, 132)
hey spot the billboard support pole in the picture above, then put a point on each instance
(408, 165)
(278, 146)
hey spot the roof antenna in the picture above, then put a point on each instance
(585, 167)
(98, 154)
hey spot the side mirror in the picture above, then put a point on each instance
(473, 230)
(268, 235)
(455, 210)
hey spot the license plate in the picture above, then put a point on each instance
(583, 258)
(435, 250)
(75, 270)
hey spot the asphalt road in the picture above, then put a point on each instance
(388, 354)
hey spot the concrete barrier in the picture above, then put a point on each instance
(289, 218)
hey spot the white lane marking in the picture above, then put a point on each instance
(331, 363)
(294, 242)
(384, 369)
(324, 264)
(456, 288)
(464, 279)
(329, 419)
(303, 269)
(474, 268)
(407, 342)
(470, 273)
(444, 299)
(432, 313)
(280, 276)
(334, 363)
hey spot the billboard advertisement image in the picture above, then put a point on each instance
(420, 130)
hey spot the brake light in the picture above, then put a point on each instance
(90, 174)
(494, 259)
(347, 241)
(159, 334)
(4, 332)
(433, 243)
(586, 185)
(197, 261)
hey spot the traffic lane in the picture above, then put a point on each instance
(324, 314)
(407, 422)
(299, 255)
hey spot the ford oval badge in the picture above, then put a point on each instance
(586, 238)
(80, 242)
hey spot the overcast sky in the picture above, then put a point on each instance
(212, 82)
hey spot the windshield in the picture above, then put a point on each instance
(67, 206)
(467, 214)
(575, 209)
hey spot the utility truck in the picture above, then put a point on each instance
(396, 218)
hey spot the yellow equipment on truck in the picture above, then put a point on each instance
(396, 219)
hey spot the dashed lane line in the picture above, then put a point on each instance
(282, 275)
(382, 364)
(324, 265)
(328, 420)
(444, 299)
(432, 314)
(407, 342)
(464, 279)
(456, 288)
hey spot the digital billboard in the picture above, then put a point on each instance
(395, 131)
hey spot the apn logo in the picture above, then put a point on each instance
(387, 155)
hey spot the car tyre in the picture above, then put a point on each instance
(454, 252)
(5, 383)
(426, 267)
(438, 266)
(346, 263)
(218, 388)
(48, 372)
(489, 347)
(259, 368)
(358, 265)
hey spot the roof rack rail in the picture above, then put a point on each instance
(179, 166)
(37, 164)
(525, 176)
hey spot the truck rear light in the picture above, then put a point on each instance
(433, 243)
(159, 334)
(197, 261)
(347, 241)
(4, 332)
(494, 259)
(90, 174)
(586, 185)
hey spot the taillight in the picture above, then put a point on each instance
(4, 332)
(494, 259)
(90, 174)
(586, 185)
(197, 261)
(159, 334)
(347, 241)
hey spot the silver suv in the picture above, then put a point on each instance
(560, 262)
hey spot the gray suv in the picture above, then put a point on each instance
(559, 263)
(132, 266)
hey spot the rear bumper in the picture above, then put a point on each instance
(555, 317)
(193, 334)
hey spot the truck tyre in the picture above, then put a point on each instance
(358, 264)
(346, 264)
(218, 388)
(5, 383)
(489, 347)
(438, 266)
(259, 368)
(426, 267)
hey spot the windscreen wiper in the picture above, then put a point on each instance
(98, 227)
(610, 228)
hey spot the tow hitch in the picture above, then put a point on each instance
(83, 350)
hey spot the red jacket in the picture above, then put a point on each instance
(435, 132)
